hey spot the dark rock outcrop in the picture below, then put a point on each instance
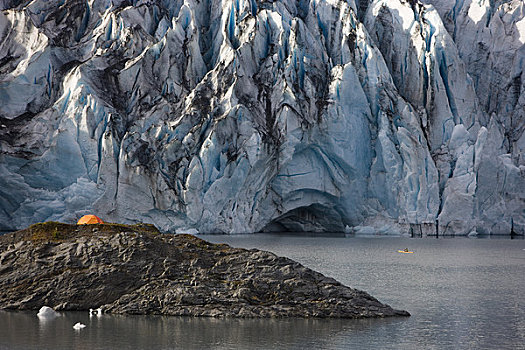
(136, 270)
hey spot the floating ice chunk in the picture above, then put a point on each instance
(47, 312)
(95, 312)
(79, 326)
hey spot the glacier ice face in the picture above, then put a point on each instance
(490, 38)
(496, 65)
(248, 115)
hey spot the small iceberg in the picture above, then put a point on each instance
(79, 326)
(47, 312)
(97, 312)
(473, 233)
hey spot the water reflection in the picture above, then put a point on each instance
(22, 330)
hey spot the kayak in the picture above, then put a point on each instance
(402, 251)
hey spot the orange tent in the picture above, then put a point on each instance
(89, 219)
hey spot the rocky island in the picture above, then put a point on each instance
(135, 269)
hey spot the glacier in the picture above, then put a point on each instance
(234, 116)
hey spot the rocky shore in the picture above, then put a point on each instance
(134, 269)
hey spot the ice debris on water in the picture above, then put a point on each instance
(79, 326)
(95, 312)
(46, 312)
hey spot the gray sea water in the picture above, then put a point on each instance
(463, 293)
